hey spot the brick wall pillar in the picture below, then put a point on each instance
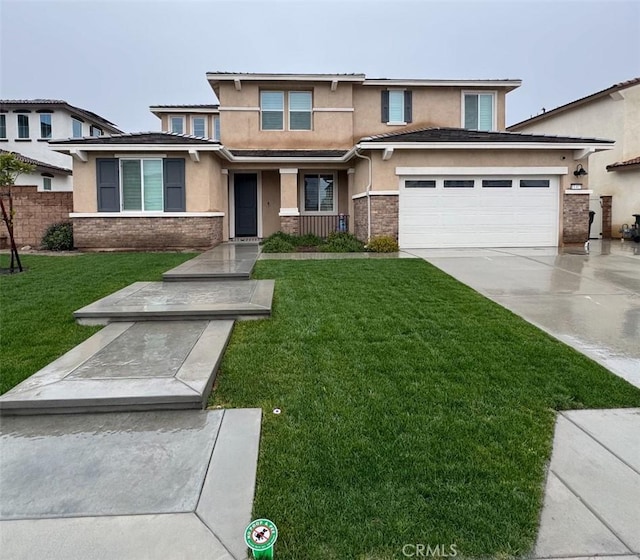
(384, 216)
(606, 203)
(575, 216)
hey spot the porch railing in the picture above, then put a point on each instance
(322, 226)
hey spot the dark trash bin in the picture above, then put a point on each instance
(591, 216)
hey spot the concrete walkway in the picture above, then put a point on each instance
(592, 498)
(160, 484)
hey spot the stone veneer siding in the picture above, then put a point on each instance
(575, 218)
(290, 224)
(384, 216)
(34, 212)
(606, 216)
(156, 233)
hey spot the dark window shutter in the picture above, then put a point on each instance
(174, 195)
(385, 106)
(108, 185)
(408, 117)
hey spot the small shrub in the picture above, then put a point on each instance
(339, 242)
(383, 244)
(279, 236)
(277, 245)
(308, 240)
(58, 237)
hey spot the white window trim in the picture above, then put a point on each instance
(93, 127)
(18, 126)
(403, 121)
(184, 124)
(50, 123)
(284, 110)
(494, 110)
(289, 111)
(318, 212)
(74, 120)
(122, 210)
(206, 125)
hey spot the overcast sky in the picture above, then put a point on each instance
(118, 57)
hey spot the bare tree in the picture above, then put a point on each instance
(10, 167)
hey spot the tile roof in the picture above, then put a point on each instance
(39, 164)
(138, 138)
(592, 97)
(438, 134)
(62, 105)
(622, 164)
(289, 153)
(186, 106)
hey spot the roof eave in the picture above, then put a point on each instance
(367, 145)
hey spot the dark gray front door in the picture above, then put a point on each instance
(245, 187)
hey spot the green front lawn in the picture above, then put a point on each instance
(36, 321)
(413, 410)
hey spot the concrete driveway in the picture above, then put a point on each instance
(589, 301)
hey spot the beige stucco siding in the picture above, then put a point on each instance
(241, 128)
(270, 202)
(385, 178)
(616, 118)
(202, 183)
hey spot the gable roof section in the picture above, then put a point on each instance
(40, 165)
(289, 153)
(461, 137)
(57, 104)
(633, 163)
(137, 138)
(577, 103)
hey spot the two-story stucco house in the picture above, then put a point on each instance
(27, 125)
(427, 161)
(614, 175)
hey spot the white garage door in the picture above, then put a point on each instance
(480, 211)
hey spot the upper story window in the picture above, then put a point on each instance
(46, 183)
(479, 113)
(216, 128)
(23, 126)
(76, 128)
(176, 125)
(45, 125)
(272, 110)
(396, 106)
(3, 126)
(95, 131)
(199, 126)
(299, 110)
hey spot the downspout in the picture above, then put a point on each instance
(368, 191)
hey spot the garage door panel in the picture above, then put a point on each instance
(479, 216)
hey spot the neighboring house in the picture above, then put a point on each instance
(612, 113)
(27, 125)
(426, 161)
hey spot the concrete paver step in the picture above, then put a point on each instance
(128, 366)
(152, 301)
(226, 261)
(161, 485)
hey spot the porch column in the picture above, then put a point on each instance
(351, 173)
(224, 188)
(289, 212)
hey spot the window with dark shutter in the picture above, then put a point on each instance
(108, 185)
(408, 107)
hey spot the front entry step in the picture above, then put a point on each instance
(226, 261)
(128, 367)
(152, 301)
